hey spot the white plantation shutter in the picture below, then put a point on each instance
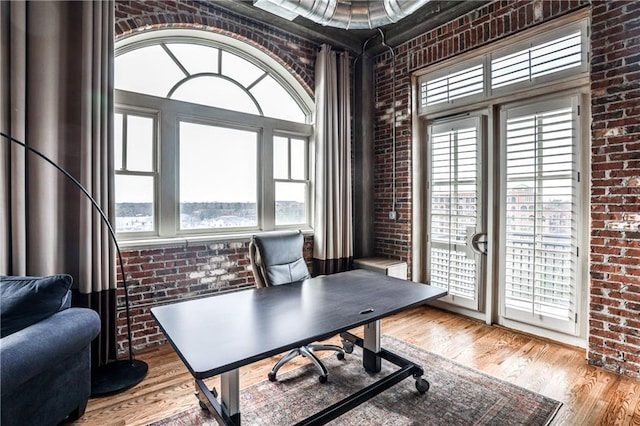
(544, 58)
(540, 241)
(456, 85)
(454, 216)
(538, 60)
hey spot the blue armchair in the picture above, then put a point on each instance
(45, 351)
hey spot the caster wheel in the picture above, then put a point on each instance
(272, 377)
(348, 346)
(214, 392)
(340, 356)
(422, 385)
(322, 379)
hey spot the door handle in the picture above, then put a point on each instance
(477, 239)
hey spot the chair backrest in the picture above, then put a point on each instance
(277, 258)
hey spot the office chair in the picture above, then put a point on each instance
(276, 259)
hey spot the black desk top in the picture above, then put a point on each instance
(220, 333)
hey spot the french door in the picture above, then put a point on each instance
(539, 231)
(455, 210)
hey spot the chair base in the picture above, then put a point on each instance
(308, 352)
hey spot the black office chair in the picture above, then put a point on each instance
(277, 259)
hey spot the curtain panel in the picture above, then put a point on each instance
(56, 95)
(333, 233)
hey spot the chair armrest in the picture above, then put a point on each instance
(35, 349)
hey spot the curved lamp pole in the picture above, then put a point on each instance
(119, 375)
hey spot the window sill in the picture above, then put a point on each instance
(185, 241)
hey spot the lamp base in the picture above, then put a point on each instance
(117, 376)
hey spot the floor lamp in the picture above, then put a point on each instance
(119, 375)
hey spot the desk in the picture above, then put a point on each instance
(217, 335)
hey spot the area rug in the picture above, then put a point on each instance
(458, 396)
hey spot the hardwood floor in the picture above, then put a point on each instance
(591, 395)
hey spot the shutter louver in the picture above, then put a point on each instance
(541, 210)
(454, 197)
(453, 86)
(547, 58)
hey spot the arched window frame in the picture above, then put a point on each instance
(168, 114)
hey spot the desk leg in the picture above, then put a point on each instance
(370, 361)
(230, 394)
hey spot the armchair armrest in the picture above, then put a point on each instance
(32, 350)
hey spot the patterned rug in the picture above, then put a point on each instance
(458, 396)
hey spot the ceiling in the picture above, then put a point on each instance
(433, 14)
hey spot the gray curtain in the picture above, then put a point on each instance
(56, 95)
(333, 233)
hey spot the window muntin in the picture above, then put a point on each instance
(274, 100)
(195, 58)
(140, 141)
(207, 75)
(240, 70)
(216, 92)
(290, 180)
(209, 157)
(166, 190)
(136, 71)
(135, 168)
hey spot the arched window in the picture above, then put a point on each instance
(211, 137)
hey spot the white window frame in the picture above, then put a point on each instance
(569, 327)
(155, 116)
(568, 83)
(451, 70)
(307, 175)
(579, 26)
(170, 112)
(475, 121)
(518, 42)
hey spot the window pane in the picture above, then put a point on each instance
(215, 92)
(218, 177)
(196, 58)
(290, 203)
(241, 70)
(134, 203)
(147, 70)
(280, 157)
(276, 102)
(298, 163)
(139, 144)
(117, 141)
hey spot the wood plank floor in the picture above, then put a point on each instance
(591, 395)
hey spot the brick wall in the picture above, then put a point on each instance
(156, 276)
(160, 275)
(614, 301)
(614, 340)
(165, 274)
(294, 53)
(482, 26)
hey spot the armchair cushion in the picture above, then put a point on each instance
(28, 300)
